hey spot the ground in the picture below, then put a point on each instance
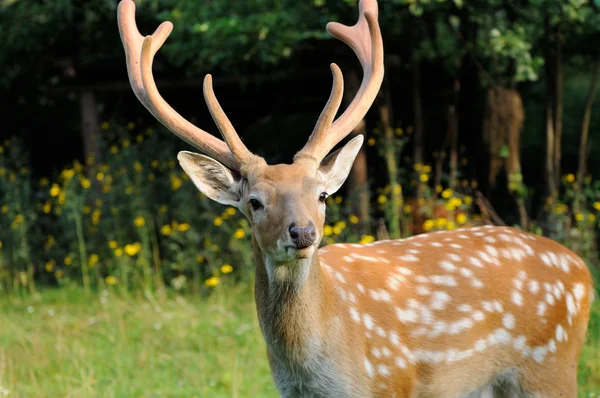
(62, 344)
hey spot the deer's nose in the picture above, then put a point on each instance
(303, 237)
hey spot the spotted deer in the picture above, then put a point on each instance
(480, 312)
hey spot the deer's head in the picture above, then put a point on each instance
(284, 203)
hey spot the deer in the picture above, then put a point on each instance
(485, 312)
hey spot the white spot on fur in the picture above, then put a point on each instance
(508, 321)
(369, 368)
(534, 286)
(383, 370)
(517, 298)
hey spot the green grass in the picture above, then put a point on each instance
(61, 345)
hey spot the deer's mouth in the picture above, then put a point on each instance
(301, 252)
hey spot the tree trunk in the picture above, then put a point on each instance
(558, 103)
(585, 129)
(418, 112)
(453, 130)
(389, 152)
(358, 183)
(89, 130)
(550, 175)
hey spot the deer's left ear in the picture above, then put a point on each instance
(334, 169)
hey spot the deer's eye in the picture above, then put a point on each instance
(323, 197)
(255, 204)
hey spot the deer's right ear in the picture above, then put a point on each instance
(212, 178)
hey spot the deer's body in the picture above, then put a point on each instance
(445, 314)
(479, 313)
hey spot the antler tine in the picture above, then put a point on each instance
(365, 40)
(140, 53)
(326, 118)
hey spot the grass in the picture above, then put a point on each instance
(62, 345)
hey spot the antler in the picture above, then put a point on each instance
(140, 53)
(365, 39)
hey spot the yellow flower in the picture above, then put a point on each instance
(440, 222)
(105, 125)
(461, 218)
(113, 244)
(426, 169)
(68, 260)
(218, 221)
(371, 141)
(114, 149)
(111, 280)
(597, 206)
(163, 209)
(199, 258)
(118, 252)
(50, 266)
(438, 189)
(327, 230)
(428, 225)
(418, 166)
(85, 183)
(183, 227)
(100, 176)
(139, 138)
(1, 244)
(175, 182)
(126, 143)
(132, 249)
(128, 190)
(138, 167)
(93, 260)
(130, 125)
(450, 225)
(55, 190)
(338, 199)
(230, 211)
(591, 218)
(353, 219)
(569, 178)
(579, 217)
(47, 207)
(166, 230)
(239, 233)
(446, 193)
(336, 230)
(212, 282)
(468, 200)
(423, 178)
(59, 274)
(407, 209)
(18, 220)
(367, 239)
(226, 269)
(381, 199)
(139, 221)
(87, 209)
(398, 131)
(44, 182)
(4, 209)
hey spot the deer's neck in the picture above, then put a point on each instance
(292, 299)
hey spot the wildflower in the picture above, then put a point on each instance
(218, 221)
(226, 269)
(199, 258)
(418, 166)
(591, 218)
(87, 209)
(114, 149)
(128, 190)
(47, 207)
(440, 222)
(230, 211)
(149, 131)
(166, 230)
(407, 209)
(461, 218)
(212, 282)
(367, 239)
(93, 260)
(569, 178)
(96, 217)
(597, 206)
(138, 167)
(130, 125)
(239, 233)
(118, 252)
(49, 242)
(126, 143)
(154, 164)
(579, 217)
(132, 249)
(1, 244)
(139, 221)
(59, 274)
(426, 168)
(468, 200)
(381, 199)
(327, 230)
(85, 183)
(17, 221)
(50, 265)
(55, 190)
(371, 141)
(446, 193)
(4, 209)
(438, 189)
(353, 219)
(423, 178)
(151, 177)
(450, 225)
(341, 224)
(338, 200)
(111, 280)
(336, 230)
(113, 244)
(183, 227)
(398, 131)
(68, 260)
(175, 182)
(105, 126)
(428, 225)
(561, 208)
(139, 138)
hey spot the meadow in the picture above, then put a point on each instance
(119, 279)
